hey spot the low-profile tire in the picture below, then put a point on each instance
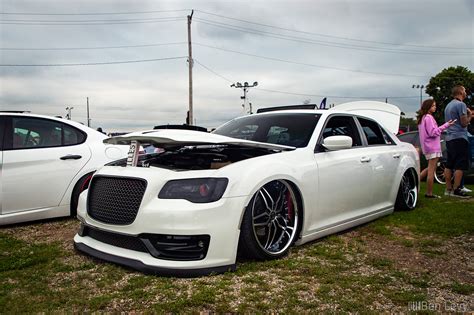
(81, 185)
(270, 223)
(407, 192)
(439, 173)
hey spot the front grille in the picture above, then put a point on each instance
(115, 200)
(118, 240)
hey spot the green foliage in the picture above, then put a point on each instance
(462, 288)
(441, 84)
(409, 123)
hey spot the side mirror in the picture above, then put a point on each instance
(334, 143)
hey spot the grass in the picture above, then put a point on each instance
(421, 255)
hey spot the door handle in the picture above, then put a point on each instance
(396, 156)
(365, 159)
(71, 157)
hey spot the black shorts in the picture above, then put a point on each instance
(458, 154)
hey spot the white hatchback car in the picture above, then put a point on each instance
(46, 162)
(256, 185)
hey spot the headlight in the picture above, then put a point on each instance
(198, 190)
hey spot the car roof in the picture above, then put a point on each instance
(62, 120)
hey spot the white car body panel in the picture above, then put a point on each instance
(41, 176)
(36, 184)
(339, 189)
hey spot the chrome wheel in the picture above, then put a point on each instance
(274, 217)
(408, 192)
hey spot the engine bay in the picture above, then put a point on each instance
(200, 157)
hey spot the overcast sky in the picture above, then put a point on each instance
(130, 57)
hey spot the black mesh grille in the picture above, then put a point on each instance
(123, 241)
(115, 200)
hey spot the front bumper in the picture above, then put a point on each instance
(155, 270)
(219, 221)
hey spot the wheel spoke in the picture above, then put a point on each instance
(271, 236)
(260, 215)
(262, 191)
(279, 204)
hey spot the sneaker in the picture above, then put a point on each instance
(458, 193)
(466, 190)
(432, 196)
(448, 192)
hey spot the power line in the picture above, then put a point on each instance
(325, 43)
(93, 23)
(93, 13)
(212, 71)
(91, 63)
(331, 36)
(91, 48)
(87, 21)
(335, 96)
(310, 65)
(305, 94)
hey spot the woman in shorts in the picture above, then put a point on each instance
(430, 140)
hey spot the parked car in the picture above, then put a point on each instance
(256, 185)
(46, 162)
(414, 138)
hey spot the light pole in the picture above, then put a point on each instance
(68, 115)
(245, 87)
(417, 86)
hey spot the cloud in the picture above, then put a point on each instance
(343, 35)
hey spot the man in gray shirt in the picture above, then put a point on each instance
(456, 141)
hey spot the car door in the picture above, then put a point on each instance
(40, 159)
(385, 159)
(345, 176)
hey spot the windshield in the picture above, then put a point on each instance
(292, 129)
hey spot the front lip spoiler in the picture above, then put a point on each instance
(159, 271)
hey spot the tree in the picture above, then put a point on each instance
(408, 123)
(439, 88)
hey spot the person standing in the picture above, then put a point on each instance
(457, 143)
(430, 140)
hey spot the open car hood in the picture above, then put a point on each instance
(169, 138)
(387, 115)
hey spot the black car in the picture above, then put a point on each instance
(414, 138)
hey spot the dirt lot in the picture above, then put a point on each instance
(385, 266)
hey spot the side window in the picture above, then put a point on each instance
(388, 139)
(72, 136)
(35, 133)
(372, 132)
(342, 126)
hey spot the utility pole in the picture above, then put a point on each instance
(190, 118)
(88, 119)
(245, 87)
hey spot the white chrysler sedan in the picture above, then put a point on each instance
(255, 186)
(45, 163)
